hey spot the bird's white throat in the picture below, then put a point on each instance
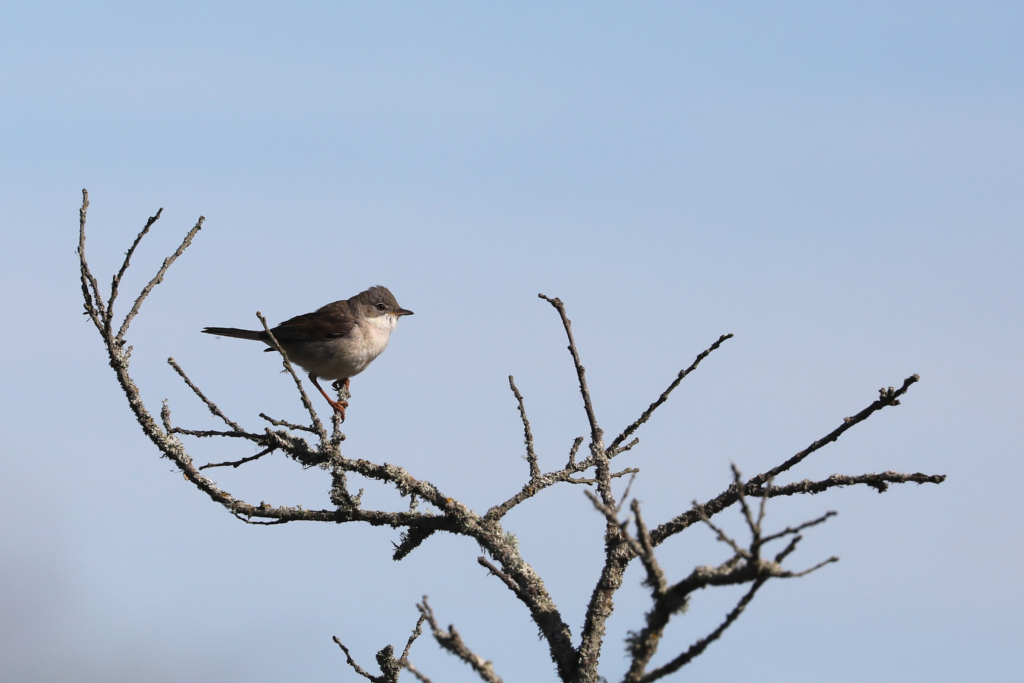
(376, 332)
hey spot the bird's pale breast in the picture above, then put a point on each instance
(347, 356)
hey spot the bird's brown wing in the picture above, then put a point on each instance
(329, 322)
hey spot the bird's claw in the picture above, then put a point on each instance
(339, 407)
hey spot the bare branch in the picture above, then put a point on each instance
(797, 529)
(763, 506)
(625, 493)
(116, 282)
(613, 475)
(537, 484)
(595, 431)
(702, 644)
(208, 432)
(612, 452)
(416, 633)
(886, 397)
(665, 394)
(158, 278)
(209, 404)
(655, 575)
(94, 307)
(249, 521)
(746, 565)
(531, 456)
(790, 547)
(619, 550)
(236, 463)
(572, 452)
(879, 482)
(737, 482)
(754, 485)
(506, 579)
(355, 667)
(317, 425)
(722, 536)
(414, 671)
(289, 425)
(451, 641)
(797, 575)
(611, 516)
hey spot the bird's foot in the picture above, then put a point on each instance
(339, 407)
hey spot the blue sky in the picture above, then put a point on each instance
(840, 185)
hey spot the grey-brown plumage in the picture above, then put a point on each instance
(336, 341)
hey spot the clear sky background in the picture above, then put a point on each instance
(839, 184)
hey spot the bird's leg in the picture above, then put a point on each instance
(339, 407)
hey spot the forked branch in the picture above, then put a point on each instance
(747, 565)
(450, 640)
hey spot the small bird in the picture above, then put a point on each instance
(337, 341)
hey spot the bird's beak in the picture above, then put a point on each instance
(401, 311)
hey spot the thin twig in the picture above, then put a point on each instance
(451, 641)
(289, 425)
(748, 515)
(764, 504)
(94, 307)
(572, 451)
(753, 487)
(618, 450)
(531, 456)
(746, 565)
(236, 463)
(797, 529)
(722, 536)
(416, 632)
(214, 432)
(625, 494)
(272, 523)
(655, 575)
(595, 431)
(665, 394)
(600, 606)
(702, 644)
(352, 663)
(886, 397)
(513, 586)
(158, 278)
(317, 425)
(797, 575)
(420, 676)
(613, 475)
(879, 482)
(116, 282)
(209, 404)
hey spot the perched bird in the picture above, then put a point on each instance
(335, 342)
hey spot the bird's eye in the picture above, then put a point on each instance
(381, 307)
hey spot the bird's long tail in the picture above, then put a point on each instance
(235, 332)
